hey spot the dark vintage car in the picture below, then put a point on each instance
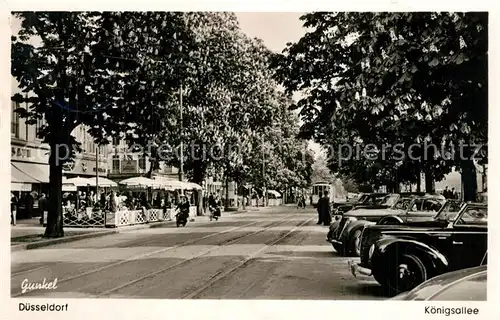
(366, 200)
(463, 285)
(345, 235)
(401, 257)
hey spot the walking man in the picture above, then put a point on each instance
(324, 210)
(42, 205)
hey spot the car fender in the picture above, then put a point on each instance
(434, 259)
(352, 227)
(390, 217)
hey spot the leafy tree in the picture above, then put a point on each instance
(68, 75)
(94, 69)
(393, 78)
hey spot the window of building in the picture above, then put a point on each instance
(116, 164)
(142, 163)
(39, 125)
(14, 130)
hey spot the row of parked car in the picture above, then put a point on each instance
(405, 239)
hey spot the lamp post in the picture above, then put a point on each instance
(97, 170)
(181, 166)
(264, 191)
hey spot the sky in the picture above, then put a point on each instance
(276, 29)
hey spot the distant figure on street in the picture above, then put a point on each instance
(113, 202)
(323, 208)
(42, 205)
(453, 194)
(29, 205)
(14, 202)
(183, 206)
(446, 193)
(311, 200)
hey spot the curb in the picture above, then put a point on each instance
(49, 242)
(96, 234)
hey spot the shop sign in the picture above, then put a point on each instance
(129, 166)
(31, 154)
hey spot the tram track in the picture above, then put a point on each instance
(267, 225)
(199, 255)
(221, 275)
(145, 243)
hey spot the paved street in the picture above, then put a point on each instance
(276, 253)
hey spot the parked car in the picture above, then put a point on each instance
(346, 235)
(463, 285)
(402, 257)
(366, 200)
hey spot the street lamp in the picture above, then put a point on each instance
(181, 166)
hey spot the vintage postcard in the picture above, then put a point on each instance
(174, 163)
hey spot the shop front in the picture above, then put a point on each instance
(29, 177)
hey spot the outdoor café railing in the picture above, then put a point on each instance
(90, 218)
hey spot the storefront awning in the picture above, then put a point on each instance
(18, 186)
(23, 172)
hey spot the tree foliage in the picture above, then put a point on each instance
(123, 74)
(391, 78)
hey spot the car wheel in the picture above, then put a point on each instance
(405, 274)
(355, 244)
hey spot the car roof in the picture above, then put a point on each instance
(461, 285)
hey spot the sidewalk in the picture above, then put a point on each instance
(28, 233)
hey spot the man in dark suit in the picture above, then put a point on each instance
(324, 213)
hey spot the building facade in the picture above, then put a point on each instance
(30, 156)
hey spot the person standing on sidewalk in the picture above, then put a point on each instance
(13, 208)
(42, 205)
(30, 201)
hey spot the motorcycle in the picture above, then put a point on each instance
(181, 218)
(215, 213)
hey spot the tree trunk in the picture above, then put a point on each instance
(198, 177)
(55, 217)
(469, 181)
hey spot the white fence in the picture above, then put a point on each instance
(101, 219)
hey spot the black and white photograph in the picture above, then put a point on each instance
(220, 155)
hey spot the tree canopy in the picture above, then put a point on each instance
(123, 74)
(391, 78)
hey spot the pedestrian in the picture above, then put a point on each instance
(446, 193)
(113, 202)
(324, 210)
(14, 202)
(311, 200)
(453, 194)
(42, 205)
(30, 201)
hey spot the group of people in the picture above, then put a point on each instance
(324, 211)
(26, 200)
(450, 194)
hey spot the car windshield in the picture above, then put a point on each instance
(403, 204)
(473, 215)
(363, 198)
(449, 211)
(390, 200)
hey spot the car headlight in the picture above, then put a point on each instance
(371, 251)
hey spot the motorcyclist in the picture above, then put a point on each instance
(183, 208)
(214, 207)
